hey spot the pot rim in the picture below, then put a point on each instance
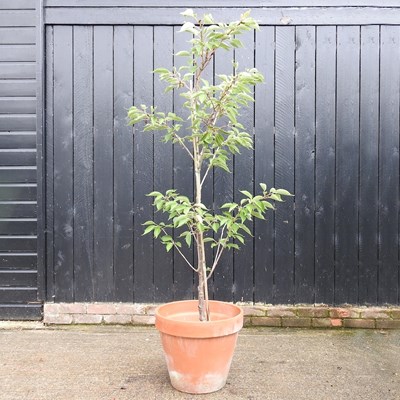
(198, 329)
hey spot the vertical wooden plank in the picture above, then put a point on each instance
(304, 166)
(389, 166)
(123, 164)
(347, 159)
(244, 180)
(284, 163)
(369, 167)
(223, 193)
(83, 163)
(325, 109)
(163, 162)
(264, 163)
(103, 163)
(183, 181)
(63, 164)
(49, 131)
(143, 165)
(41, 152)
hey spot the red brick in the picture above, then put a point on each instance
(87, 319)
(266, 321)
(296, 322)
(57, 319)
(255, 311)
(65, 308)
(151, 309)
(395, 313)
(101, 308)
(375, 313)
(143, 319)
(326, 323)
(388, 324)
(336, 323)
(129, 308)
(359, 323)
(281, 312)
(344, 313)
(118, 319)
(247, 321)
(315, 312)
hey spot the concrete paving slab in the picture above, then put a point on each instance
(121, 363)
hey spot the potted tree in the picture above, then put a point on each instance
(199, 336)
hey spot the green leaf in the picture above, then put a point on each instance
(275, 197)
(263, 187)
(188, 239)
(157, 231)
(188, 13)
(189, 27)
(283, 192)
(161, 71)
(183, 54)
(169, 246)
(149, 229)
(246, 193)
(154, 194)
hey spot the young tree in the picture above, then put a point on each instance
(213, 135)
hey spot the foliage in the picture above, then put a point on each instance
(210, 136)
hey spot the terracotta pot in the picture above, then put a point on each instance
(198, 354)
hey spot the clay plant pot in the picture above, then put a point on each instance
(198, 354)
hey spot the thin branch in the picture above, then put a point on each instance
(183, 145)
(220, 249)
(179, 251)
(209, 167)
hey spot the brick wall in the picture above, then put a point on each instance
(255, 315)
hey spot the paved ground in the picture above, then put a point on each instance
(121, 363)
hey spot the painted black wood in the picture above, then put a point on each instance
(21, 312)
(243, 173)
(123, 164)
(143, 156)
(304, 164)
(284, 168)
(266, 16)
(388, 203)
(13, 226)
(18, 209)
(219, 3)
(18, 175)
(183, 183)
(325, 128)
(18, 261)
(17, 140)
(369, 164)
(17, 52)
(223, 281)
(83, 162)
(103, 179)
(163, 162)
(264, 163)
(16, 278)
(325, 112)
(17, 70)
(20, 35)
(63, 164)
(347, 165)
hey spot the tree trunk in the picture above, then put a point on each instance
(201, 254)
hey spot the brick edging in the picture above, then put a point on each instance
(309, 316)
